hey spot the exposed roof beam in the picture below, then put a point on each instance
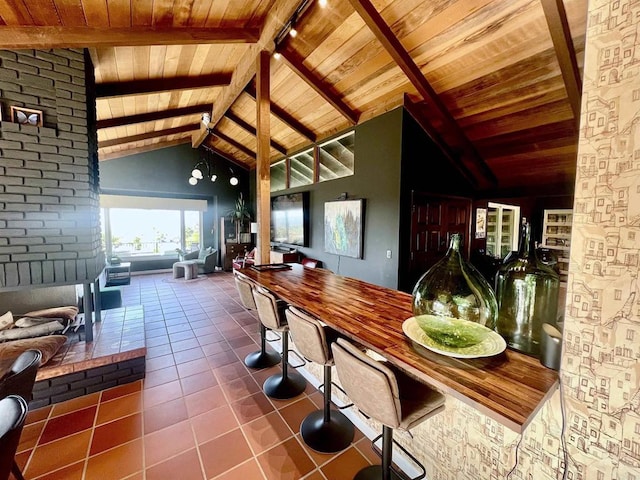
(279, 14)
(326, 91)
(148, 135)
(158, 85)
(556, 16)
(87, 37)
(414, 111)
(394, 47)
(233, 143)
(284, 116)
(151, 116)
(146, 148)
(217, 151)
(252, 130)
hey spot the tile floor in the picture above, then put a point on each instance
(199, 413)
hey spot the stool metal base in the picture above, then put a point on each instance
(283, 387)
(262, 359)
(327, 437)
(374, 472)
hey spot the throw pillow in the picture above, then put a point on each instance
(48, 346)
(202, 254)
(68, 314)
(6, 321)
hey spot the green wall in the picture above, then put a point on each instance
(164, 173)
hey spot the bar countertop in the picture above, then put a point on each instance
(509, 387)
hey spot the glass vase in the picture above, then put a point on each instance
(452, 291)
(527, 292)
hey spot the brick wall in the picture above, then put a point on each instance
(49, 206)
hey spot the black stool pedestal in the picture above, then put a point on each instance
(262, 358)
(327, 437)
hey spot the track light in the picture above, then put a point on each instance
(193, 181)
(214, 177)
(293, 32)
(277, 55)
(322, 3)
(197, 173)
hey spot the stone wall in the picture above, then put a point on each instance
(49, 209)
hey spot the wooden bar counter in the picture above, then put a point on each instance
(509, 387)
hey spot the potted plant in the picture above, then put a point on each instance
(239, 214)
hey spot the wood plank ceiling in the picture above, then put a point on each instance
(495, 82)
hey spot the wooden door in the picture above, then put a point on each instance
(433, 219)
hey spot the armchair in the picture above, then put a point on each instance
(206, 258)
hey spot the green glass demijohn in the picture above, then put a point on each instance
(452, 298)
(527, 292)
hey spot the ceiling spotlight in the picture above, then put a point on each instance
(293, 32)
(214, 177)
(196, 173)
(193, 181)
(277, 55)
(322, 3)
(233, 180)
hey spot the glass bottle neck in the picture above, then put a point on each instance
(525, 239)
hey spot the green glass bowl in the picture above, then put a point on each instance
(452, 332)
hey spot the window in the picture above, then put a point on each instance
(301, 166)
(278, 174)
(630, 335)
(618, 294)
(150, 227)
(337, 157)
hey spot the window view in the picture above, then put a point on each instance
(279, 176)
(336, 157)
(301, 166)
(130, 232)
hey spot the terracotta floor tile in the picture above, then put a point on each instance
(117, 463)
(158, 351)
(192, 367)
(213, 423)
(188, 355)
(295, 412)
(222, 359)
(364, 447)
(158, 377)
(252, 407)
(223, 453)
(205, 400)
(287, 461)
(345, 465)
(116, 433)
(265, 432)
(315, 476)
(231, 372)
(262, 375)
(185, 466)
(38, 414)
(72, 472)
(30, 435)
(162, 393)
(159, 362)
(165, 414)
(75, 404)
(68, 424)
(215, 348)
(198, 382)
(168, 442)
(184, 345)
(119, 407)
(121, 391)
(248, 470)
(240, 388)
(157, 341)
(58, 454)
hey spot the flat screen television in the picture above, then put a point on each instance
(290, 219)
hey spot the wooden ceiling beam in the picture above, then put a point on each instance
(148, 135)
(146, 148)
(394, 47)
(284, 116)
(279, 14)
(152, 116)
(42, 37)
(252, 130)
(159, 85)
(556, 16)
(326, 91)
(248, 152)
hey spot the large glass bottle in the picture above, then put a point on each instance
(527, 292)
(454, 289)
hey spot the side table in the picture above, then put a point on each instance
(119, 274)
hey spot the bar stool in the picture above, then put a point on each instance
(260, 358)
(289, 383)
(324, 430)
(386, 395)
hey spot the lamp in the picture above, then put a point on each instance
(233, 180)
(199, 169)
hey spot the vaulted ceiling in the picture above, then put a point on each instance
(496, 83)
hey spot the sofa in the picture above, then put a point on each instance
(206, 258)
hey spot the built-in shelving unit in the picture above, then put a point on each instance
(556, 235)
(502, 229)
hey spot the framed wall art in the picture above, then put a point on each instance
(26, 116)
(344, 227)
